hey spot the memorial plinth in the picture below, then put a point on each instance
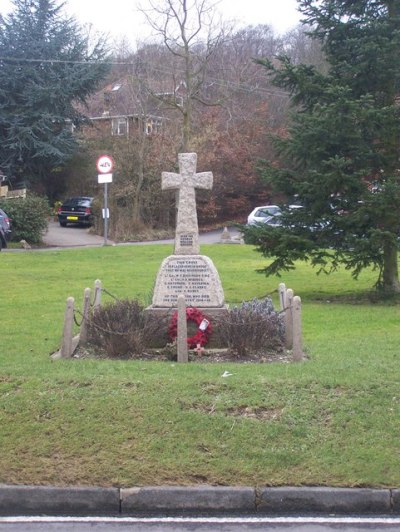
(194, 276)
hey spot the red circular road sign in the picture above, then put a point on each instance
(105, 164)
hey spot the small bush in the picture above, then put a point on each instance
(252, 328)
(121, 328)
(29, 217)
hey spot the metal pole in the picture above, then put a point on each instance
(105, 213)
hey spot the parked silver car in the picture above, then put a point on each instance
(263, 214)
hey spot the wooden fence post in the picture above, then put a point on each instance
(83, 337)
(298, 354)
(289, 319)
(97, 293)
(282, 295)
(182, 345)
(66, 347)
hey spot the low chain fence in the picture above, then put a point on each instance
(74, 316)
(290, 308)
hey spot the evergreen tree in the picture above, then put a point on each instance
(340, 157)
(47, 66)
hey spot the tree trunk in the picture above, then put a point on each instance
(140, 178)
(137, 199)
(186, 129)
(390, 277)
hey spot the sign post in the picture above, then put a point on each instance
(105, 165)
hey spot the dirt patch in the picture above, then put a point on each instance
(168, 354)
(259, 413)
(249, 412)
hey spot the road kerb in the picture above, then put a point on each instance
(292, 500)
(188, 500)
(44, 500)
(195, 500)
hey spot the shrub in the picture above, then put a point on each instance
(253, 327)
(121, 328)
(29, 217)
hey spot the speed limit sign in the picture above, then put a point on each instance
(105, 164)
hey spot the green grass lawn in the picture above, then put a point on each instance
(333, 420)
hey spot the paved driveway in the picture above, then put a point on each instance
(72, 236)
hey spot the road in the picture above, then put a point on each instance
(229, 524)
(72, 236)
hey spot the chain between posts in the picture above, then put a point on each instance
(109, 294)
(79, 323)
(95, 325)
(264, 297)
(92, 303)
(270, 294)
(76, 311)
(118, 299)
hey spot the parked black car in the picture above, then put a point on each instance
(77, 210)
(5, 229)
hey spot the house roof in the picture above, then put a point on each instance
(128, 96)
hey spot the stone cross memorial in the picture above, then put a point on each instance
(187, 272)
(187, 231)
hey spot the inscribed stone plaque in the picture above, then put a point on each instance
(194, 276)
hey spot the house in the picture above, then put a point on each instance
(126, 106)
(5, 191)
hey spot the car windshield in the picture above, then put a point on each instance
(79, 202)
(266, 212)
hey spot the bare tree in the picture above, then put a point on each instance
(191, 34)
(141, 153)
(301, 48)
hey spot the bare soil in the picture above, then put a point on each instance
(168, 354)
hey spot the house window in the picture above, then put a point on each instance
(152, 126)
(119, 126)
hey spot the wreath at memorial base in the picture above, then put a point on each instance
(204, 327)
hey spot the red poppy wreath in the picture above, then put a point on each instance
(204, 327)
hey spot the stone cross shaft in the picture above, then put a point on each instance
(186, 182)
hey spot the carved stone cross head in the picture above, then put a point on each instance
(186, 182)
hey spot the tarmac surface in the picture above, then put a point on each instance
(200, 524)
(77, 236)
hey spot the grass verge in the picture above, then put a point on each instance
(333, 420)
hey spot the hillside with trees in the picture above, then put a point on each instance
(197, 87)
(225, 109)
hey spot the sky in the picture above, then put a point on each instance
(119, 18)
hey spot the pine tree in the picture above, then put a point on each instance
(340, 157)
(47, 66)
